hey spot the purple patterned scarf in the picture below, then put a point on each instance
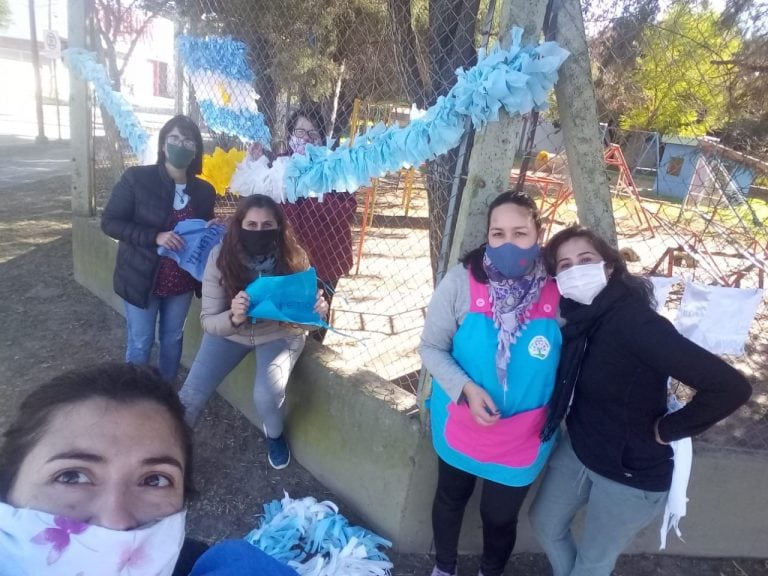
(511, 301)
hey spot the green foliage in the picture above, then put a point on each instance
(364, 45)
(5, 13)
(614, 51)
(682, 90)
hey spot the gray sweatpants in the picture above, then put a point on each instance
(217, 357)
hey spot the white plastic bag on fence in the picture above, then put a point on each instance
(716, 317)
(662, 285)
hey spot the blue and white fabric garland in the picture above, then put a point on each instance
(218, 69)
(518, 79)
(315, 540)
(85, 64)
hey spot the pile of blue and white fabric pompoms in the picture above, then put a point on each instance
(315, 540)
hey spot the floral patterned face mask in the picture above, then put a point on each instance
(298, 145)
(41, 544)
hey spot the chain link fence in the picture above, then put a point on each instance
(685, 205)
(675, 89)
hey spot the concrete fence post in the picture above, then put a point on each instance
(83, 197)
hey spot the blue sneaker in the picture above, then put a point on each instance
(278, 452)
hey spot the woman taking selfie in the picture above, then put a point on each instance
(95, 475)
(95, 470)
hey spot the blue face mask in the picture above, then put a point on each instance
(512, 261)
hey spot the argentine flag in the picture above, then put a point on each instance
(218, 69)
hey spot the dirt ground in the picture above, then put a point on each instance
(49, 323)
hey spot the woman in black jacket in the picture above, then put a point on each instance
(617, 356)
(142, 211)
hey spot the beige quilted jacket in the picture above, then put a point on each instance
(214, 313)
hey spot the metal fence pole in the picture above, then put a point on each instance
(41, 138)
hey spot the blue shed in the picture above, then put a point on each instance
(678, 164)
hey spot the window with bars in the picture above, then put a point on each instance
(160, 85)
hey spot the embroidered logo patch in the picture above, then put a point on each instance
(539, 347)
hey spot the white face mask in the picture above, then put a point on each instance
(583, 282)
(35, 543)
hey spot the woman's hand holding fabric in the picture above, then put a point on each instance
(239, 308)
(481, 404)
(170, 240)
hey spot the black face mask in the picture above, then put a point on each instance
(259, 242)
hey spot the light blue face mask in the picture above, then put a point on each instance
(512, 261)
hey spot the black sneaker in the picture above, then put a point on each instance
(278, 452)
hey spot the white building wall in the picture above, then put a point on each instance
(17, 96)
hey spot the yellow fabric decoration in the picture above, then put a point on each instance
(226, 98)
(219, 167)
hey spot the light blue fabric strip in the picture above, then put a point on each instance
(517, 79)
(222, 54)
(244, 124)
(85, 64)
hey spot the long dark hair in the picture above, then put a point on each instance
(639, 285)
(113, 381)
(291, 257)
(473, 260)
(188, 129)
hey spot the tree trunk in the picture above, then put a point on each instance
(406, 50)
(452, 26)
(113, 144)
(265, 84)
(578, 118)
(451, 40)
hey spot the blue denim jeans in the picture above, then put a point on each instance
(217, 357)
(167, 314)
(615, 513)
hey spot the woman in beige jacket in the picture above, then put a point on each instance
(258, 242)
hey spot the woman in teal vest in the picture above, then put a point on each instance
(492, 343)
